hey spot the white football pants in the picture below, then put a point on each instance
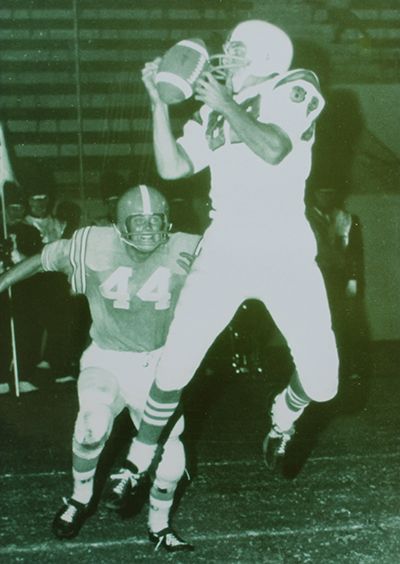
(276, 267)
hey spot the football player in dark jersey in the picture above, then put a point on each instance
(132, 274)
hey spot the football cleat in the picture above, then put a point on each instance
(274, 446)
(121, 486)
(168, 539)
(69, 519)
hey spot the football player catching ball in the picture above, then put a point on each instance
(255, 131)
(132, 274)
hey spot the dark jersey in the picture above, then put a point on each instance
(132, 303)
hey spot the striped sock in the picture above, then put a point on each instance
(160, 406)
(288, 407)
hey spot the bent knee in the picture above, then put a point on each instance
(319, 376)
(93, 427)
(324, 393)
(172, 464)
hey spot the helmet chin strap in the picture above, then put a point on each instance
(164, 236)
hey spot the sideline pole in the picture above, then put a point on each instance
(79, 112)
(12, 324)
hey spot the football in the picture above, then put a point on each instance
(179, 69)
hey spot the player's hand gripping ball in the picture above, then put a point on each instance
(179, 69)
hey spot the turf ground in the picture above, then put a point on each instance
(338, 500)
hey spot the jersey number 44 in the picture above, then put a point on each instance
(155, 289)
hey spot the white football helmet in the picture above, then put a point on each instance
(254, 48)
(142, 218)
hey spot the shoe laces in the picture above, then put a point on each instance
(70, 511)
(122, 479)
(160, 540)
(284, 438)
(283, 442)
(170, 539)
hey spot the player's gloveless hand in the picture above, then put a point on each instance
(149, 72)
(212, 93)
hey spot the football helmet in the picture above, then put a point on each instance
(253, 48)
(142, 218)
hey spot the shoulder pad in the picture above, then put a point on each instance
(103, 242)
(299, 74)
(184, 242)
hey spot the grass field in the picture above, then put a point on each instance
(337, 502)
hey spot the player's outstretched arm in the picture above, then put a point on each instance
(24, 269)
(172, 161)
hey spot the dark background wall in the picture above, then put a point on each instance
(72, 99)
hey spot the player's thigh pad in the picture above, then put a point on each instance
(97, 386)
(135, 380)
(126, 378)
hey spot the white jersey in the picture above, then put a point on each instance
(243, 186)
(260, 244)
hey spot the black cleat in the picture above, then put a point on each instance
(121, 486)
(274, 446)
(168, 539)
(69, 519)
